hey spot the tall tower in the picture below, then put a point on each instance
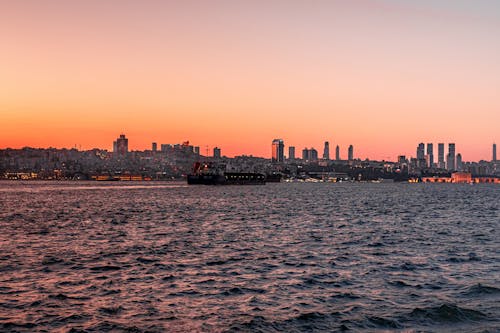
(291, 153)
(494, 152)
(326, 151)
(450, 160)
(421, 152)
(120, 146)
(459, 162)
(337, 153)
(154, 147)
(217, 152)
(278, 151)
(350, 153)
(430, 153)
(305, 154)
(441, 155)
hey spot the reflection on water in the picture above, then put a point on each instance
(280, 257)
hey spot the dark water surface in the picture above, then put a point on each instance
(93, 257)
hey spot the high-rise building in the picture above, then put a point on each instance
(441, 155)
(337, 153)
(120, 146)
(494, 152)
(350, 153)
(430, 153)
(154, 146)
(291, 153)
(278, 151)
(313, 154)
(326, 151)
(421, 151)
(459, 162)
(305, 154)
(217, 152)
(421, 162)
(196, 150)
(450, 160)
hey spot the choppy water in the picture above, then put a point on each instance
(280, 257)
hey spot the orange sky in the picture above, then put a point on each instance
(382, 75)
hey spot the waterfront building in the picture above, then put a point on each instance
(450, 160)
(430, 154)
(291, 153)
(350, 153)
(326, 151)
(120, 146)
(441, 155)
(337, 153)
(217, 152)
(278, 151)
(154, 146)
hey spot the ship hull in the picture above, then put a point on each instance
(230, 178)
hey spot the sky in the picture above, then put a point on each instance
(382, 75)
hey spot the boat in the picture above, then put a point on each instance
(273, 178)
(211, 174)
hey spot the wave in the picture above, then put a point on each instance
(446, 313)
(481, 290)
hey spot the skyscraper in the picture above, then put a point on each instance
(494, 152)
(421, 152)
(459, 162)
(305, 154)
(441, 155)
(291, 153)
(154, 146)
(120, 146)
(278, 151)
(430, 153)
(313, 154)
(350, 153)
(337, 153)
(217, 152)
(450, 160)
(326, 151)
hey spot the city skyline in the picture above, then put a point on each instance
(278, 147)
(377, 74)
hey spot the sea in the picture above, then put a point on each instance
(281, 257)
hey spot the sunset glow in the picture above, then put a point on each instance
(382, 75)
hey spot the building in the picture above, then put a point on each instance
(450, 158)
(441, 155)
(337, 153)
(430, 154)
(326, 151)
(120, 146)
(305, 154)
(459, 162)
(350, 153)
(154, 147)
(313, 154)
(421, 151)
(196, 150)
(278, 151)
(217, 152)
(494, 159)
(421, 162)
(309, 155)
(291, 153)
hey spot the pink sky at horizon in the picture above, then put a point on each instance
(382, 75)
